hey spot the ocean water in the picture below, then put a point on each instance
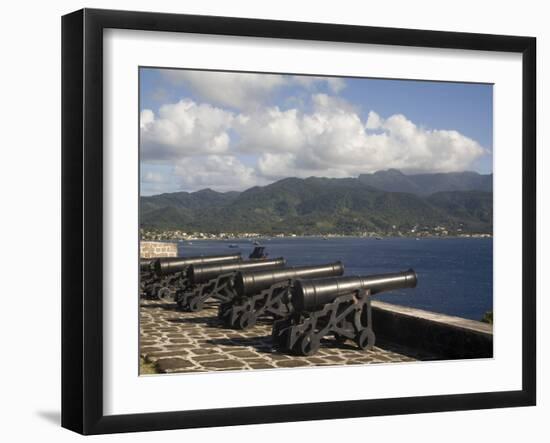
(455, 275)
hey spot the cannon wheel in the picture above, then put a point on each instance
(279, 340)
(151, 290)
(166, 295)
(246, 320)
(181, 300)
(195, 305)
(223, 310)
(365, 339)
(308, 344)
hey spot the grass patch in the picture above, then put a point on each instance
(488, 317)
(146, 368)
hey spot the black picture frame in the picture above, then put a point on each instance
(82, 218)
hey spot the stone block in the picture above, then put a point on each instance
(261, 366)
(244, 354)
(291, 363)
(211, 357)
(224, 364)
(171, 364)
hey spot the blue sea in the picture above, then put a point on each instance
(455, 275)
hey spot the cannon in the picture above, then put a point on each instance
(267, 293)
(146, 274)
(172, 265)
(216, 281)
(170, 273)
(336, 306)
(146, 264)
(146, 268)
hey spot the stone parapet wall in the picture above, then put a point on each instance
(150, 249)
(447, 336)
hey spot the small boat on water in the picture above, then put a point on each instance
(233, 245)
(256, 243)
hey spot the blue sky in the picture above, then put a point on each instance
(230, 131)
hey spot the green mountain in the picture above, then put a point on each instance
(179, 208)
(393, 180)
(318, 206)
(474, 206)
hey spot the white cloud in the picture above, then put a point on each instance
(373, 121)
(206, 144)
(332, 140)
(334, 84)
(154, 177)
(277, 166)
(270, 130)
(245, 90)
(414, 148)
(238, 90)
(183, 129)
(222, 173)
(146, 118)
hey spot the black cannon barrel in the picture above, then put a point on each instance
(309, 294)
(252, 282)
(145, 264)
(169, 265)
(203, 272)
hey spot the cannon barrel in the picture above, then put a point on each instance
(251, 282)
(170, 265)
(309, 294)
(203, 272)
(145, 264)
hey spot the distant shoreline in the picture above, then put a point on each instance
(320, 237)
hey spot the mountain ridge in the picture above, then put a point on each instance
(319, 205)
(393, 180)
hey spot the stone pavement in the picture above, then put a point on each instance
(177, 341)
